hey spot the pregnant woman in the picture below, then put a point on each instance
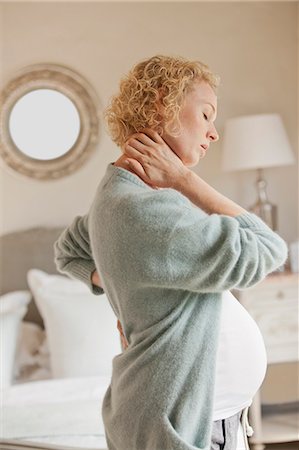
(166, 248)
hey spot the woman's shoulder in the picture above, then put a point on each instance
(130, 197)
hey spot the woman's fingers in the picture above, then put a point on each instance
(143, 138)
(140, 142)
(123, 339)
(137, 150)
(152, 134)
(119, 326)
(137, 167)
(153, 147)
(131, 151)
(135, 143)
(147, 137)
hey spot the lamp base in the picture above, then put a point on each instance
(267, 212)
(263, 208)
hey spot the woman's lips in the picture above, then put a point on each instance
(202, 152)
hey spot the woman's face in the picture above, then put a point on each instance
(197, 118)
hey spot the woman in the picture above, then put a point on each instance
(167, 248)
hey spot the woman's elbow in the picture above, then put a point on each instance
(278, 253)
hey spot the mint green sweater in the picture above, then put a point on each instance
(163, 263)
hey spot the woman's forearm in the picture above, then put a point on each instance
(207, 198)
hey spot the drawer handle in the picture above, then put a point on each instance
(280, 295)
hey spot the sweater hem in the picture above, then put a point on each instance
(83, 271)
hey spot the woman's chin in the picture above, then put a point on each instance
(191, 164)
(195, 160)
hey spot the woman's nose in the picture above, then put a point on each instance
(213, 135)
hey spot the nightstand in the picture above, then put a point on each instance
(273, 304)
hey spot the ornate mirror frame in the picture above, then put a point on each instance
(79, 91)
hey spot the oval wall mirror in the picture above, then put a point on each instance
(49, 121)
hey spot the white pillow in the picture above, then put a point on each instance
(81, 327)
(13, 307)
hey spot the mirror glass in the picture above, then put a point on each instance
(49, 122)
(44, 124)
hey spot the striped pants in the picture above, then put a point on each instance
(231, 433)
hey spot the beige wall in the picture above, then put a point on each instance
(253, 46)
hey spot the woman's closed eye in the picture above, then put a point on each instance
(205, 116)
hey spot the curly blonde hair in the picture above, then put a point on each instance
(163, 78)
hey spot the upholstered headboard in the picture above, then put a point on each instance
(24, 250)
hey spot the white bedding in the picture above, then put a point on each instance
(64, 412)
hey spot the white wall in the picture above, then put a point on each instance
(253, 46)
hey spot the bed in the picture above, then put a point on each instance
(62, 340)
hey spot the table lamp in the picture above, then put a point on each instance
(257, 142)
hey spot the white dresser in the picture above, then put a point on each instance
(273, 304)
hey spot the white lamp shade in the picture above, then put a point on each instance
(255, 142)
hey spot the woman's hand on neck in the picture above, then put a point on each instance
(121, 162)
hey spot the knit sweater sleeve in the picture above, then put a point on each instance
(204, 253)
(72, 253)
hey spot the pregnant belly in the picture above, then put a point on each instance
(241, 359)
